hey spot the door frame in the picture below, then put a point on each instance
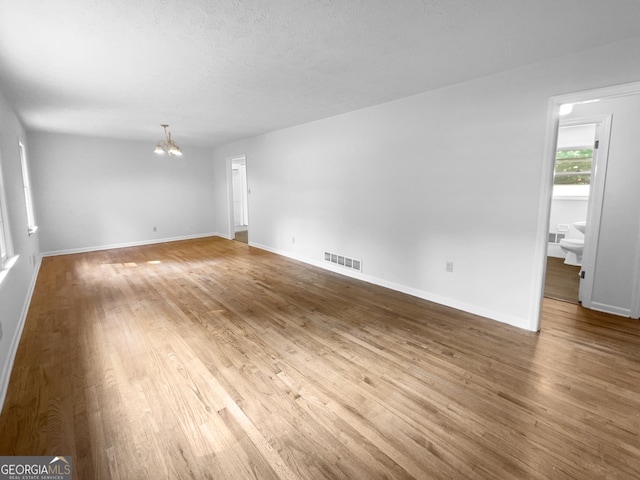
(241, 183)
(546, 193)
(230, 210)
(596, 198)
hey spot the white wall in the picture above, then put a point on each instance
(94, 193)
(619, 238)
(342, 184)
(17, 286)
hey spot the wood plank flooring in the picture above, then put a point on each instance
(562, 281)
(242, 236)
(210, 359)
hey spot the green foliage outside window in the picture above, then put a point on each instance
(573, 167)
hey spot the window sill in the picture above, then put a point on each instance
(568, 192)
(571, 197)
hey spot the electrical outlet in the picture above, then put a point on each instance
(293, 239)
(155, 229)
(450, 267)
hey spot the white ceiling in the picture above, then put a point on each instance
(222, 70)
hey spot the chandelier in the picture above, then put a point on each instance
(167, 146)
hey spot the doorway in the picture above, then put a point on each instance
(239, 204)
(611, 263)
(575, 162)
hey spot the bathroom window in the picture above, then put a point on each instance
(573, 167)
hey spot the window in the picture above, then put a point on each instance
(573, 167)
(5, 243)
(31, 219)
(4, 253)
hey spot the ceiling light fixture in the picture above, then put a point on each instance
(167, 146)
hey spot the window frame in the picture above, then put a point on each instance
(6, 247)
(28, 195)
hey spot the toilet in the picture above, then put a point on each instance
(574, 247)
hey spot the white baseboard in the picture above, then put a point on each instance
(429, 296)
(128, 244)
(5, 376)
(603, 307)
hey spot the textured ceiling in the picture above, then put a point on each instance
(221, 70)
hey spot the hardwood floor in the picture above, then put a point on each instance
(212, 359)
(242, 236)
(561, 281)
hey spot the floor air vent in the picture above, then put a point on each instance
(343, 261)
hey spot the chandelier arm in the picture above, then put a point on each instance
(167, 147)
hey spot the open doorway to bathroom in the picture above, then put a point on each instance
(610, 273)
(240, 199)
(569, 207)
